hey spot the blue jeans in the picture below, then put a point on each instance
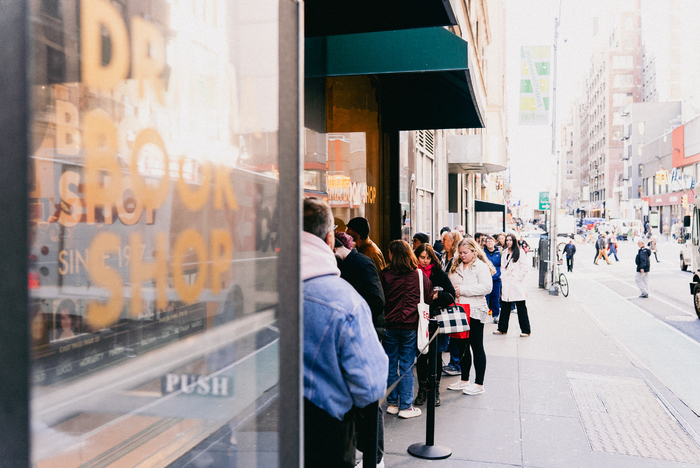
(493, 299)
(400, 346)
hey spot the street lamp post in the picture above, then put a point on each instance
(553, 289)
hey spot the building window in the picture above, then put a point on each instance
(623, 81)
(622, 99)
(623, 62)
(425, 165)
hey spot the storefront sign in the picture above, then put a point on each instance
(661, 177)
(340, 188)
(673, 198)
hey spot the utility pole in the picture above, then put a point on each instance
(553, 207)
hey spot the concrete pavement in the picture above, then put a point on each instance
(570, 395)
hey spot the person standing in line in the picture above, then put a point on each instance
(602, 249)
(612, 247)
(643, 262)
(360, 272)
(493, 299)
(459, 228)
(652, 248)
(501, 242)
(358, 228)
(420, 238)
(569, 252)
(400, 281)
(437, 245)
(344, 363)
(471, 276)
(429, 264)
(513, 271)
(451, 240)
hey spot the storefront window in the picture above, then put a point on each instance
(153, 233)
(342, 166)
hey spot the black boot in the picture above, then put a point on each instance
(437, 397)
(422, 393)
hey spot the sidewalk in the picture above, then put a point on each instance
(567, 396)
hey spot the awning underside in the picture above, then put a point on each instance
(425, 81)
(332, 17)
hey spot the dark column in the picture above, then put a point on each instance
(394, 187)
(14, 151)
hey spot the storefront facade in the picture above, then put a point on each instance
(154, 155)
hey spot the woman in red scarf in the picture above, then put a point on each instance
(429, 263)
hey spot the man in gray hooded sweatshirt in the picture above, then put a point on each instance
(344, 363)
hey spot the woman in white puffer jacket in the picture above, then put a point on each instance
(471, 274)
(513, 271)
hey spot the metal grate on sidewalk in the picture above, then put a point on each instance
(622, 415)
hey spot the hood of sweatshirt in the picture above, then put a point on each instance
(317, 259)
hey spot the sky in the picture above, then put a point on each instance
(531, 22)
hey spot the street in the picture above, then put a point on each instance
(662, 331)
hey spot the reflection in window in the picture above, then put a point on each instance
(153, 232)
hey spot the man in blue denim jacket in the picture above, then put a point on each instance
(344, 363)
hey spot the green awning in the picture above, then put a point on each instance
(424, 75)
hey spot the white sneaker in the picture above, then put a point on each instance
(411, 412)
(379, 465)
(459, 385)
(391, 409)
(474, 389)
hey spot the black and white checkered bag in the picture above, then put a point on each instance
(452, 319)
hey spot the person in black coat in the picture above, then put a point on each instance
(429, 263)
(359, 270)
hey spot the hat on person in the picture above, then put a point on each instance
(343, 239)
(340, 224)
(360, 226)
(445, 229)
(422, 237)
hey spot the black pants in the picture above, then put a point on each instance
(423, 370)
(362, 420)
(522, 317)
(476, 343)
(570, 263)
(328, 441)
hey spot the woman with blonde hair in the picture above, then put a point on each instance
(450, 241)
(471, 274)
(401, 284)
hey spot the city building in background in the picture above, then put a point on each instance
(645, 122)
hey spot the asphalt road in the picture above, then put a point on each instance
(669, 299)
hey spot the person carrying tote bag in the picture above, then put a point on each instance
(400, 282)
(513, 271)
(429, 264)
(471, 274)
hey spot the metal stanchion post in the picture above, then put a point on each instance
(429, 450)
